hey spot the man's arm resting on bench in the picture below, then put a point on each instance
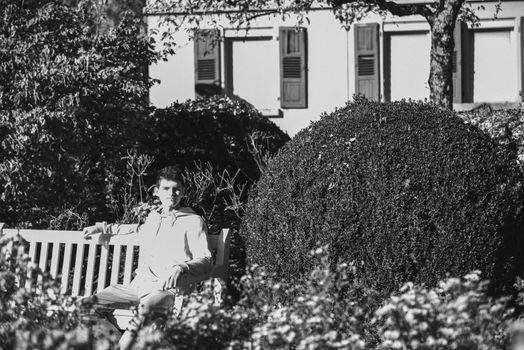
(110, 229)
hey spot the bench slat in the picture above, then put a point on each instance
(102, 270)
(115, 267)
(64, 236)
(78, 269)
(129, 264)
(32, 256)
(44, 250)
(54, 259)
(66, 266)
(90, 271)
(32, 251)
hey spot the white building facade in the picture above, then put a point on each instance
(293, 76)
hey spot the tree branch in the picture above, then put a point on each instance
(393, 7)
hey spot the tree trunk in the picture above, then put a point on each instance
(442, 26)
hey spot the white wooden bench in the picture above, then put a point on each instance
(63, 253)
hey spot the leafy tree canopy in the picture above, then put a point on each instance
(51, 57)
(70, 100)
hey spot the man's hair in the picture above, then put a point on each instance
(172, 173)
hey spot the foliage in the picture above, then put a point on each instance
(223, 131)
(458, 314)
(73, 105)
(316, 318)
(224, 145)
(70, 102)
(134, 203)
(107, 14)
(52, 59)
(37, 315)
(506, 126)
(330, 310)
(406, 190)
(279, 314)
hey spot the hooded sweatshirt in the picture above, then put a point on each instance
(167, 240)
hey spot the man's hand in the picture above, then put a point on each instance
(172, 280)
(100, 227)
(90, 230)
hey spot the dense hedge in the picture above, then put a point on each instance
(216, 130)
(406, 191)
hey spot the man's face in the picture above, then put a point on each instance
(170, 193)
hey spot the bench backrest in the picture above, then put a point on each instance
(63, 253)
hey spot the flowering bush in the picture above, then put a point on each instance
(458, 314)
(329, 310)
(321, 315)
(318, 318)
(33, 312)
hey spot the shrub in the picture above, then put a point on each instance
(38, 315)
(71, 103)
(405, 190)
(227, 133)
(504, 125)
(458, 314)
(276, 313)
(53, 163)
(330, 310)
(315, 317)
(74, 101)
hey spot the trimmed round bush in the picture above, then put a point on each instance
(218, 130)
(405, 191)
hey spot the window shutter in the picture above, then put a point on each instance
(456, 62)
(207, 63)
(293, 67)
(367, 78)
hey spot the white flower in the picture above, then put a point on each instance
(392, 334)
(314, 319)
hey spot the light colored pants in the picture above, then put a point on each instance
(118, 296)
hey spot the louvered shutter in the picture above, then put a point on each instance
(456, 62)
(293, 67)
(367, 78)
(207, 63)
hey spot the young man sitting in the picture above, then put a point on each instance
(174, 244)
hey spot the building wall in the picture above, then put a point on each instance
(330, 74)
(489, 63)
